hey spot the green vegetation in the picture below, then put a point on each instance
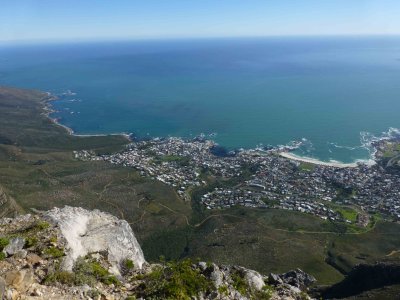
(62, 277)
(239, 283)
(348, 213)
(38, 170)
(2, 256)
(41, 225)
(30, 241)
(129, 264)
(223, 290)
(306, 167)
(54, 252)
(175, 280)
(92, 269)
(3, 243)
(84, 272)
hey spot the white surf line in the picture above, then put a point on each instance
(316, 161)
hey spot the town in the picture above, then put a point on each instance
(261, 178)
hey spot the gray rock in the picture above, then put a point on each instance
(254, 279)
(202, 266)
(217, 277)
(15, 245)
(298, 278)
(274, 279)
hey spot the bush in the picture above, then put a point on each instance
(91, 270)
(265, 293)
(54, 252)
(2, 256)
(176, 280)
(3, 242)
(62, 277)
(223, 290)
(129, 264)
(239, 283)
(30, 242)
(42, 225)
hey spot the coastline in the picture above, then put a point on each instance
(49, 110)
(316, 161)
(283, 152)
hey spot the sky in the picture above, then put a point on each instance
(41, 20)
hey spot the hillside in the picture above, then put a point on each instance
(38, 170)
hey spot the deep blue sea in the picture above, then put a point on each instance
(329, 91)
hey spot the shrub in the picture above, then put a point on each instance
(41, 225)
(30, 242)
(54, 252)
(91, 270)
(3, 242)
(2, 256)
(129, 264)
(223, 290)
(62, 277)
(176, 280)
(265, 293)
(239, 283)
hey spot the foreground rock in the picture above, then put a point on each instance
(94, 231)
(72, 253)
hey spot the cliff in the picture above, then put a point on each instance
(73, 253)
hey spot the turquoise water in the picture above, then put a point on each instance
(247, 91)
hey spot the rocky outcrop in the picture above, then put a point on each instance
(296, 278)
(94, 231)
(73, 253)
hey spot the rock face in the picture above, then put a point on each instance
(297, 278)
(94, 247)
(94, 231)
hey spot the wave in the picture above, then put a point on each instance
(369, 140)
(351, 148)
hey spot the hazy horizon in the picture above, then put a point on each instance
(48, 21)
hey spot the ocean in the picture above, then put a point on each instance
(332, 93)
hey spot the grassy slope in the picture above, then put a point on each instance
(38, 171)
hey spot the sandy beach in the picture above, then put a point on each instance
(316, 161)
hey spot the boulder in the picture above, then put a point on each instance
(274, 279)
(217, 277)
(298, 278)
(254, 279)
(15, 245)
(94, 231)
(19, 280)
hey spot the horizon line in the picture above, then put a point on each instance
(180, 38)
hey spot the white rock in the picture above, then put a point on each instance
(254, 279)
(93, 231)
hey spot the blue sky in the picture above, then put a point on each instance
(131, 19)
